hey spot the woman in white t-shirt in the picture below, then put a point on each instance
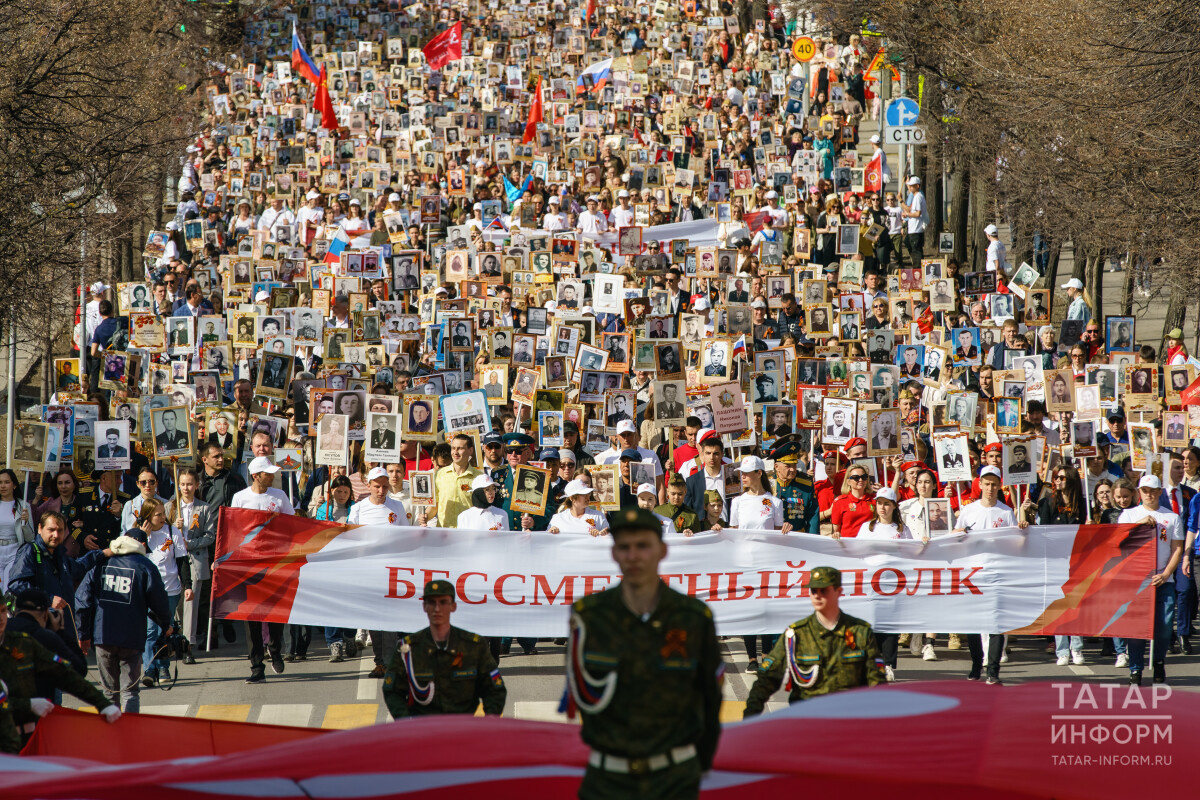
(912, 510)
(756, 508)
(166, 546)
(576, 516)
(887, 524)
(482, 515)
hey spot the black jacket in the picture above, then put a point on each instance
(218, 490)
(117, 595)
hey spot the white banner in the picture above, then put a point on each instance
(522, 584)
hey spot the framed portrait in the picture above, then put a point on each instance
(1083, 437)
(524, 350)
(525, 385)
(1143, 444)
(961, 409)
(419, 421)
(1175, 429)
(883, 428)
(383, 437)
(494, 381)
(112, 445)
(1060, 390)
(333, 443)
(1119, 334)
(1178, 378)
(1087, 402)
(937, 362)
(954, 463)
(938, 515)
(839, 418)
(847, 241)
(550, 428)
(1008, 414)
(668, 360)
(422, 488)
(714, 360)
(1037, 307)
(172, 432)
(606, 481)
(670, 406)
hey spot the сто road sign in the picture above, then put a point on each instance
(804, 48)
(905, 135)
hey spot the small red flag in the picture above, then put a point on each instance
(1191, 395)
(535, 115)
(925, 321)
(324, 103)
(445, 47)
(873, 179)
(754, 221)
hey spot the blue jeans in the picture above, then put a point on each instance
(1061, 645)
(153, 631)
(1185, 593)
(1164, 618)
(337, 635)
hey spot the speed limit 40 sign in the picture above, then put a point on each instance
(804, 48)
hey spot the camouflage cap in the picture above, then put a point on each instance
(634, 519)
(821, 577)
(438, 589)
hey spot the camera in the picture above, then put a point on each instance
(174, 645)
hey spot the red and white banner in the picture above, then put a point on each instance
(1090, 580)
(928, 739)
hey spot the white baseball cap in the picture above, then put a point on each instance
(576, 487)
(752, 463)
(701, 304)
(1149, 482)
(99, 287)
(990, 471)
(555, 201)
(758, 303)
(914, 180)
(263, 464)
(441, 290)
(990, 230)
(1074, 283)
(394, 197)
(354, 201)
(886, 494)
(771, 195)
(647, 488)
(482, 481)
(626, 426)
(376, 473)
(263, 294)
(875, 138)
(622, 193)
(312, 194)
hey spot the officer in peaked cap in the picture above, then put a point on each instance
(442, 669)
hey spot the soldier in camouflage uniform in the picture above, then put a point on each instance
(442, 669)
(644, 669)
(817, 659)
(675, 510)
(22, 661)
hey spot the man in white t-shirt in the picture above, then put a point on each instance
(593, 220)
(622, 215)
(262, 496)
(1169, 533)
(378, 509)
(997, 258)
(984, 514)
(630, 440)
(556, 219)
(916, 215)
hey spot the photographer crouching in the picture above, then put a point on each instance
(116, 599)
(33, 616)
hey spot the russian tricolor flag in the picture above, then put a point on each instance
(599, 74)
(340, 242)
(302, 62)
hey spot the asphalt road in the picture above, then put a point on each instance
(317, 693)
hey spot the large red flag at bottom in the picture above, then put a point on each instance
(445, 47)
(324, 103)
(535, 115)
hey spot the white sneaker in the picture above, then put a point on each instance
(1122, 660)
(1062, 661)
(927, 653)
(1003, 656)
(1077, 659)
(890, 673)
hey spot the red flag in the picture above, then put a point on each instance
(925, 321)
(873, 179)
(754, 221)
(323, 103)
(591, 9)
(535, 115)
(445, 47)
(1191, 395)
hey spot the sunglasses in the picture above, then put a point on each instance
(856, 477)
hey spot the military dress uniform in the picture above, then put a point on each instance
(426, 678)
(816, 660)
(97, 520)
(798, 496)
(22, 660)
(648, 688)
(504, 483)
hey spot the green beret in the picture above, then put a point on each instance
(634, 519)
(438, 589)
(821, 577)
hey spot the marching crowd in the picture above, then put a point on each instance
(571, 260)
